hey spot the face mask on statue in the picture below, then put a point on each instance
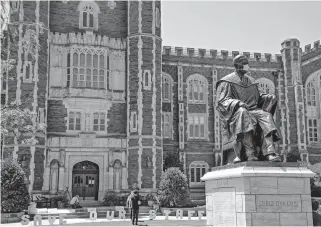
(246, 68)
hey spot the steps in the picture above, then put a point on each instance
(198, 196)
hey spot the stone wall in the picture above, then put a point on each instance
(111, 22)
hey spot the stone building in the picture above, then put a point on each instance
(116, 101)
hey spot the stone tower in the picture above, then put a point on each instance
(28, 83)
(294, 110)
(144, 86)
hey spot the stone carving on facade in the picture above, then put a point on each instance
(48, 156)
(62, 157)
(111, 4)
(80, 38)
(87, 142)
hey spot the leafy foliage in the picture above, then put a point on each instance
(315, 182)
(173, 188)
(172, 159)
(293, 156)
(110, 198)
(14, 190)
(18, 122)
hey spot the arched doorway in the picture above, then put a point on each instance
(85, 182)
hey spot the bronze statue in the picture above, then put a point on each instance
(247, 115)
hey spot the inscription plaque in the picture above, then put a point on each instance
(278, 203)
(224, 213)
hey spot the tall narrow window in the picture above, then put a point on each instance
(167, 88)
(133, 124)
(99, 122)
(197, 169)
(147, 79)
(196, 124)
(311, 94)
(68, 70)
(313, 108)
(88, 15)
(157, 17)
(313, 130)
(167, 129)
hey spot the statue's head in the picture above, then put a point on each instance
(241, 64)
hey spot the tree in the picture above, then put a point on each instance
(17, 120)
(172, 159)
(14, 190)
(173, 188)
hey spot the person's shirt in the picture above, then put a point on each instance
(129, 201)
(74, 200)
(135, 200)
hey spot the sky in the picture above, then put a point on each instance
(253, 26)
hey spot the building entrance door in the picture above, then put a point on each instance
(85, 180)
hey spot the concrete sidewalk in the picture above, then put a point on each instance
(143, 221)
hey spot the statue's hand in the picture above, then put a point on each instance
(244, 105)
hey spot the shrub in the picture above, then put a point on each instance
(61, 198)
(172, 159)
(14, 191)
(110, 198)
(293, 156)
(150, 197)
(173, 188)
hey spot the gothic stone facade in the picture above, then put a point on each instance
(116, 101)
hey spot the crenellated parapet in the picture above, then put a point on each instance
(311, 48)
(87, 39)
(219, 54)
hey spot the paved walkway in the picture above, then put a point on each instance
(143, 221)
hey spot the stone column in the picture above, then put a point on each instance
(257, 194)
(111, 178)
(294, 100)
(46, 177)
(61, 178)
(124, 182)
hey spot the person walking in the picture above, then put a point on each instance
(135, 207)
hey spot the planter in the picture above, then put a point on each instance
(150, 203)
(60, 204)
(11, 217)
(32, 208)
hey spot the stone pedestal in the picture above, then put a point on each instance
(258, 194)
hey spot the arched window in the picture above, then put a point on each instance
(197, 169)
(167, 87)
(266, 86)
(99, 122)
(88, 15)
(311, 92)
(197, 89)
(313, 108)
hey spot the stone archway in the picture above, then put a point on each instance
(85, 180)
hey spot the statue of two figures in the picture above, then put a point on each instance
(247, 115)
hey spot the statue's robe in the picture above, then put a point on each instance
(231, 90)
